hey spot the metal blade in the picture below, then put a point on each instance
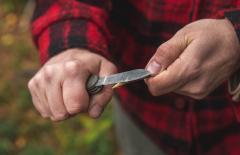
(124, 77)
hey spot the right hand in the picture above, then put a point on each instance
(59, 88)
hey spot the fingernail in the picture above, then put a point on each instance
(95, 111)
(154, 67)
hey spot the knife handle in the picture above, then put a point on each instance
(91, 85)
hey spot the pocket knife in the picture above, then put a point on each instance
(96, 83)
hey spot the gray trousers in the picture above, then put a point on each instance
(131, 140)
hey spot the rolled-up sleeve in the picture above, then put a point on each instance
(58, 25)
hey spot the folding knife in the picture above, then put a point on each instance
(95, 83)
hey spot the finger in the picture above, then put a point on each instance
(99, 101)
(35, 99)
(191, 90)
(198, 88)
(41, 92)
(195, 85)
(167, 53)
(180, 72)
(75, 96)
(54, 93)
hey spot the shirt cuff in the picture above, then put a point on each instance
(234, 82)
(73, 33)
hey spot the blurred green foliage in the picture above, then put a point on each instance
(22, 130)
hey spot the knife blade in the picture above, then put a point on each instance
(95, 83)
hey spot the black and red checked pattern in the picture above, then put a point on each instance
(128, 32)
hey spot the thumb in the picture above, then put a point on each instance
(166, 54)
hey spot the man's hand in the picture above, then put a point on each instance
(59, 88)
(196, 60)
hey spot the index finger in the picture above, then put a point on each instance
(99, 101)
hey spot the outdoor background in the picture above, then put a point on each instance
(22, 130)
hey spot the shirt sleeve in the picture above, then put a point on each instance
(233, 15)
(58, 25)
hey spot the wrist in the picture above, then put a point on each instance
(69, 55)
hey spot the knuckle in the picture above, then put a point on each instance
(199, 96)
(71, 67)
(48, 72)
(31, 84)
(165, 47)
(44, 115)
(37, 79)
(60, 117)
(76, 102)
(199, 92)
(74, 108)
(108, 92)
(193, 71)
(153, 89)
(154, 93)
(164, 53)
(181, 32)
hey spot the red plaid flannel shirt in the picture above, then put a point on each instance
(128, 33)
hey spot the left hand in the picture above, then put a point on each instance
(196, 60)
